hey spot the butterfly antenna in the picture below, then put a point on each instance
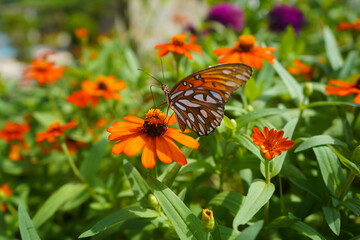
(140, 69)
(162, 69)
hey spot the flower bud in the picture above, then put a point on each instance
(153, 201)
(355, 158)
(207, 220)
(308, 89)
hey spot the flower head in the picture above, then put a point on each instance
(153, 135)
(300, 68)
(283, 15)
(178, 46)
(5, 192)
(342, 88)
(14, 131)
(246, 52)
(271, 142)
(207, 220)
(82, 99)
(43, 71)
(81, 33)
(355, 25)
(227, 14)
(54, 131)
(106, 87)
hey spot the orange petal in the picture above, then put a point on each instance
(172, 120)
(176, 154)
(134, 145)
(118, 148)
(133, 119)
(182, 138)
(148, 157)
(162, 150)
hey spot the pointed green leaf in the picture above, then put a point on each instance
(26, 226)
(251, 232)
(251, 116)
(251, 91)
(139, 186)
(347, 163)
(67, 192)
(353, 204)
(229, 200)
(332, 217)
(332, 49)
(245, 141)
(185, 223)
(349, 65)
(258, 195)
(91, 163)
(116, 218)
(330, 169)
(319, 140)
(306, 186)
(170, 173)
(330, 103)
(293, 87)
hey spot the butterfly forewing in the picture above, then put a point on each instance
(198, 100)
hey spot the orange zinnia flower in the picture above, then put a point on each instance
(153, 135)
(53, 131)
(14, 131)
(271, 142)
(82, 99)
(347, 25)
(5, 192)
(301, 69)
(81, 33)
(177, 45)
(104, 86)
(342, 88)
(246, 52)
(43, 71)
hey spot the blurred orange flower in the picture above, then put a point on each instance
(81, 33)
(5, 191)
(82, 99)
(342, 88)
(179, 46)
(153, 135)
(300, 68)
(355, 25)
(104, 86)
(14, 131)
(53, 131)
(271, 142)
(43, 72)
(246, 52)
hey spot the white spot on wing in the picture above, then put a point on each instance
(245, 78)
(191, 116)
(226, 71)
(231, 83)
(188, 92)
(216, 95)
(201, 119)
(172, 96)
(188, 103)
(180, 106)
(200, 97)
(204, 113)
(216, 114)
(178, 115)
(201, 129)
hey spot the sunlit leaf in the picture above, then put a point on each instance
(26, 226)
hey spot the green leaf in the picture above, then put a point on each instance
(225, 232)
(245, 141)
(330, 169)
(67, 192)
(277, 163)
(302, 228)
(319, 140)
(116, 218)
(91, 163)
(332, 49)
(170, 173)
(251, 232)
(347, 163)
(349, 65)
(293, 87)
(185, 223)
(229, 200)
(230, 123)
(46, 118)
(332, 217)
(287, 42)
(26, 226)
(138, 185)
(334, 103)
(306, 186)
(352, 204)
(251, 116)
(251, 91)
(258, 195)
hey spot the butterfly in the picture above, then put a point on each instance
(198, 100)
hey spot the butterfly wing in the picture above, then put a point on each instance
(199, 99)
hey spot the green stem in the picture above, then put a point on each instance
(207, 236)
(282, 204)
(71, 162)
(347, 186)
(153, 172)
(356, 115)
(221, 186)
(267, 180)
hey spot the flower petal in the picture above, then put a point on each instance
(133, 119)
(177, 155)
(118, 148)
(148, 157)
(182, 138)
(162, 150)
(135, 144)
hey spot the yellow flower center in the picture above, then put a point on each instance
(245, 43)
(155, 124)
(178, 39)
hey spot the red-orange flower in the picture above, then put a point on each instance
(355, 25)
(82, 99)
(179, 46)
(153, 135)
(5, 191)
(43, 71)
(104, 86)
(300, 68)
(246, 52)
(54, 131)
(342, 88)
(14, 131)
(271, 142)
(81, 33)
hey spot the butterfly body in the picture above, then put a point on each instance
(198, 100)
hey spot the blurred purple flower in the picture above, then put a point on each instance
(283, 15)
(227, 14)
